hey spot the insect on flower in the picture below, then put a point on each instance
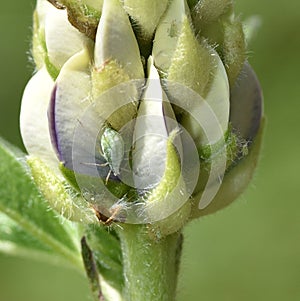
(112, 150)
(112, 146)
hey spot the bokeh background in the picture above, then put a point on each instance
(251, 250)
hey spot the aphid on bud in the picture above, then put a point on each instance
(112, 146)
(112, 150)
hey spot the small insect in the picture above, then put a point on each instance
(112, 150)
(173, 31)
(112, 146)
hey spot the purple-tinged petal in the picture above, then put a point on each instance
(70, 98)
(246, 104)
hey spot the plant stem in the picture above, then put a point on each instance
(150, 267)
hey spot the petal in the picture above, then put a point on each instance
(234, 182)
(246, 104)
(151, 133)
(115, 40)
(69, 100)
(62, 39)
(33, 118)
(42, 7)
(206, 119)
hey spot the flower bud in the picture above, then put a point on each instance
(145, 110)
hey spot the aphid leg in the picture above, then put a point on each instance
(107, 177)
(103, 219)
(96, 164)
(112, 218)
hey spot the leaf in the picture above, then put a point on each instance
(107, 252)
(91, 269)
(27, 224)
(14, 240)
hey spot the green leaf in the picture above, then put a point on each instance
(27, 224)
(91, 269)
(107, 252)
(14, 240)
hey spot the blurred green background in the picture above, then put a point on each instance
(250, 251)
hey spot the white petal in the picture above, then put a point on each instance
(116, 40)
(62, 39)
(151, 133)
(42, 8)
(218, 96)
(34, 119)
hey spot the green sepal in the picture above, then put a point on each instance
(168, 33)
(170, 193)
(172, 224)
(59, 194)
(233, 49)
(205, 12)
(232, 147)
(69, 176)
(192, 63)
(235, 180)
(215, 21)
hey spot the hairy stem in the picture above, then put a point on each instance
(150, 267)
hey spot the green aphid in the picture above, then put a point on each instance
(112, 146)
(173, 31)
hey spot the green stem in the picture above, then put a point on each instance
(150, 267)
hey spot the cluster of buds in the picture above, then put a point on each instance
(143, 112)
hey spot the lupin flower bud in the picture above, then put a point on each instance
(147, 110)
